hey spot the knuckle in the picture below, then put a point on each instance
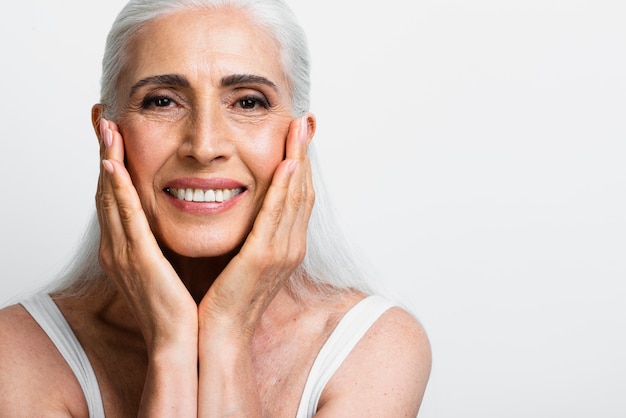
(311, 199)
(275, 213)
(116, 258)
(297, 198)
(107, 201)
(98, 197)
(127, 214)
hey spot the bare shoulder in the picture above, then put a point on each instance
(34, 377)
(385, 374)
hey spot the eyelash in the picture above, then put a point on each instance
(151, 101)
(261, 101)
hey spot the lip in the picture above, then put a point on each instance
(204, 208)
(199, 183)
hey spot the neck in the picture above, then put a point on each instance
(103, 298)
(197, 274)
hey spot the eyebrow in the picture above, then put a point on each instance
(237, 79)
(166, 79)
(178, 80)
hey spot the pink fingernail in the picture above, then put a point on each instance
(293, 164)
(103, 125)
(108, 166)
(108, 138)
(304, 129)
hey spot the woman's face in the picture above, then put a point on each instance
(206, 114)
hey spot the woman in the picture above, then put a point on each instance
(215, 294)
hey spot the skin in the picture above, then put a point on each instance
(200, 323)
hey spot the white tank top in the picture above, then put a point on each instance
(46, 313)
(343, 339)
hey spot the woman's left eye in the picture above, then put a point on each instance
(251, 103)
(162, 101)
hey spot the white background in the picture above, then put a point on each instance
(475, 151)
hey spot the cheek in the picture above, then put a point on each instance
(141, 155)
(263, 154)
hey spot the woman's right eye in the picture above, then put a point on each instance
(157, 101)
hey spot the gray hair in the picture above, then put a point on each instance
(330, 263)
(274, 16)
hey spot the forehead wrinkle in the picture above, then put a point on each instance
(228, 58)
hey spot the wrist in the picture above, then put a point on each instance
(171, 385)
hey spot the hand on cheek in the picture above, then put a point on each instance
(274, 248)
(131, 257)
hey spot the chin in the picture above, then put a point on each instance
(205, 247)
(206, 253)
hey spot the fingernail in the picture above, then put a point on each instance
(108, 138)
(293, 164)
(108, 166)
(304, 129)
(103, 126)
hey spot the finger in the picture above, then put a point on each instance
(104, 191)
(284, 200)
(122, 207)
(271, 212)
(297, 139)
(111, 145)
(304, 202)
(297, 211)
(127, 210)
(300, 192)
(282, 224)
(112, 141)
(105, 198)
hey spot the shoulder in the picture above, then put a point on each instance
(385, 374)
(29, 363)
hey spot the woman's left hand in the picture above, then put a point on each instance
(274, 248)
(231, 309)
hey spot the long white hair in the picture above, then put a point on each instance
(330, 262)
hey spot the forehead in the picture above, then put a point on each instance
(204, 44)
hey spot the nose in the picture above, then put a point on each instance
(206, 137)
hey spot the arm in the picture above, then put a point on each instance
(231, 309)
(29, 361)
(385, 375)
(164, 309)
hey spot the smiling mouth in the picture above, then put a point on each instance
(201, 195)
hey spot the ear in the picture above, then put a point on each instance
(97, 113)
(312, 124)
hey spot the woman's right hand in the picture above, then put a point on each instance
(164, 309)
(131, 257)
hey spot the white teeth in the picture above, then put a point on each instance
(200, 195)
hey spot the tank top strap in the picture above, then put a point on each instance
(348, 332)
(46, 313)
